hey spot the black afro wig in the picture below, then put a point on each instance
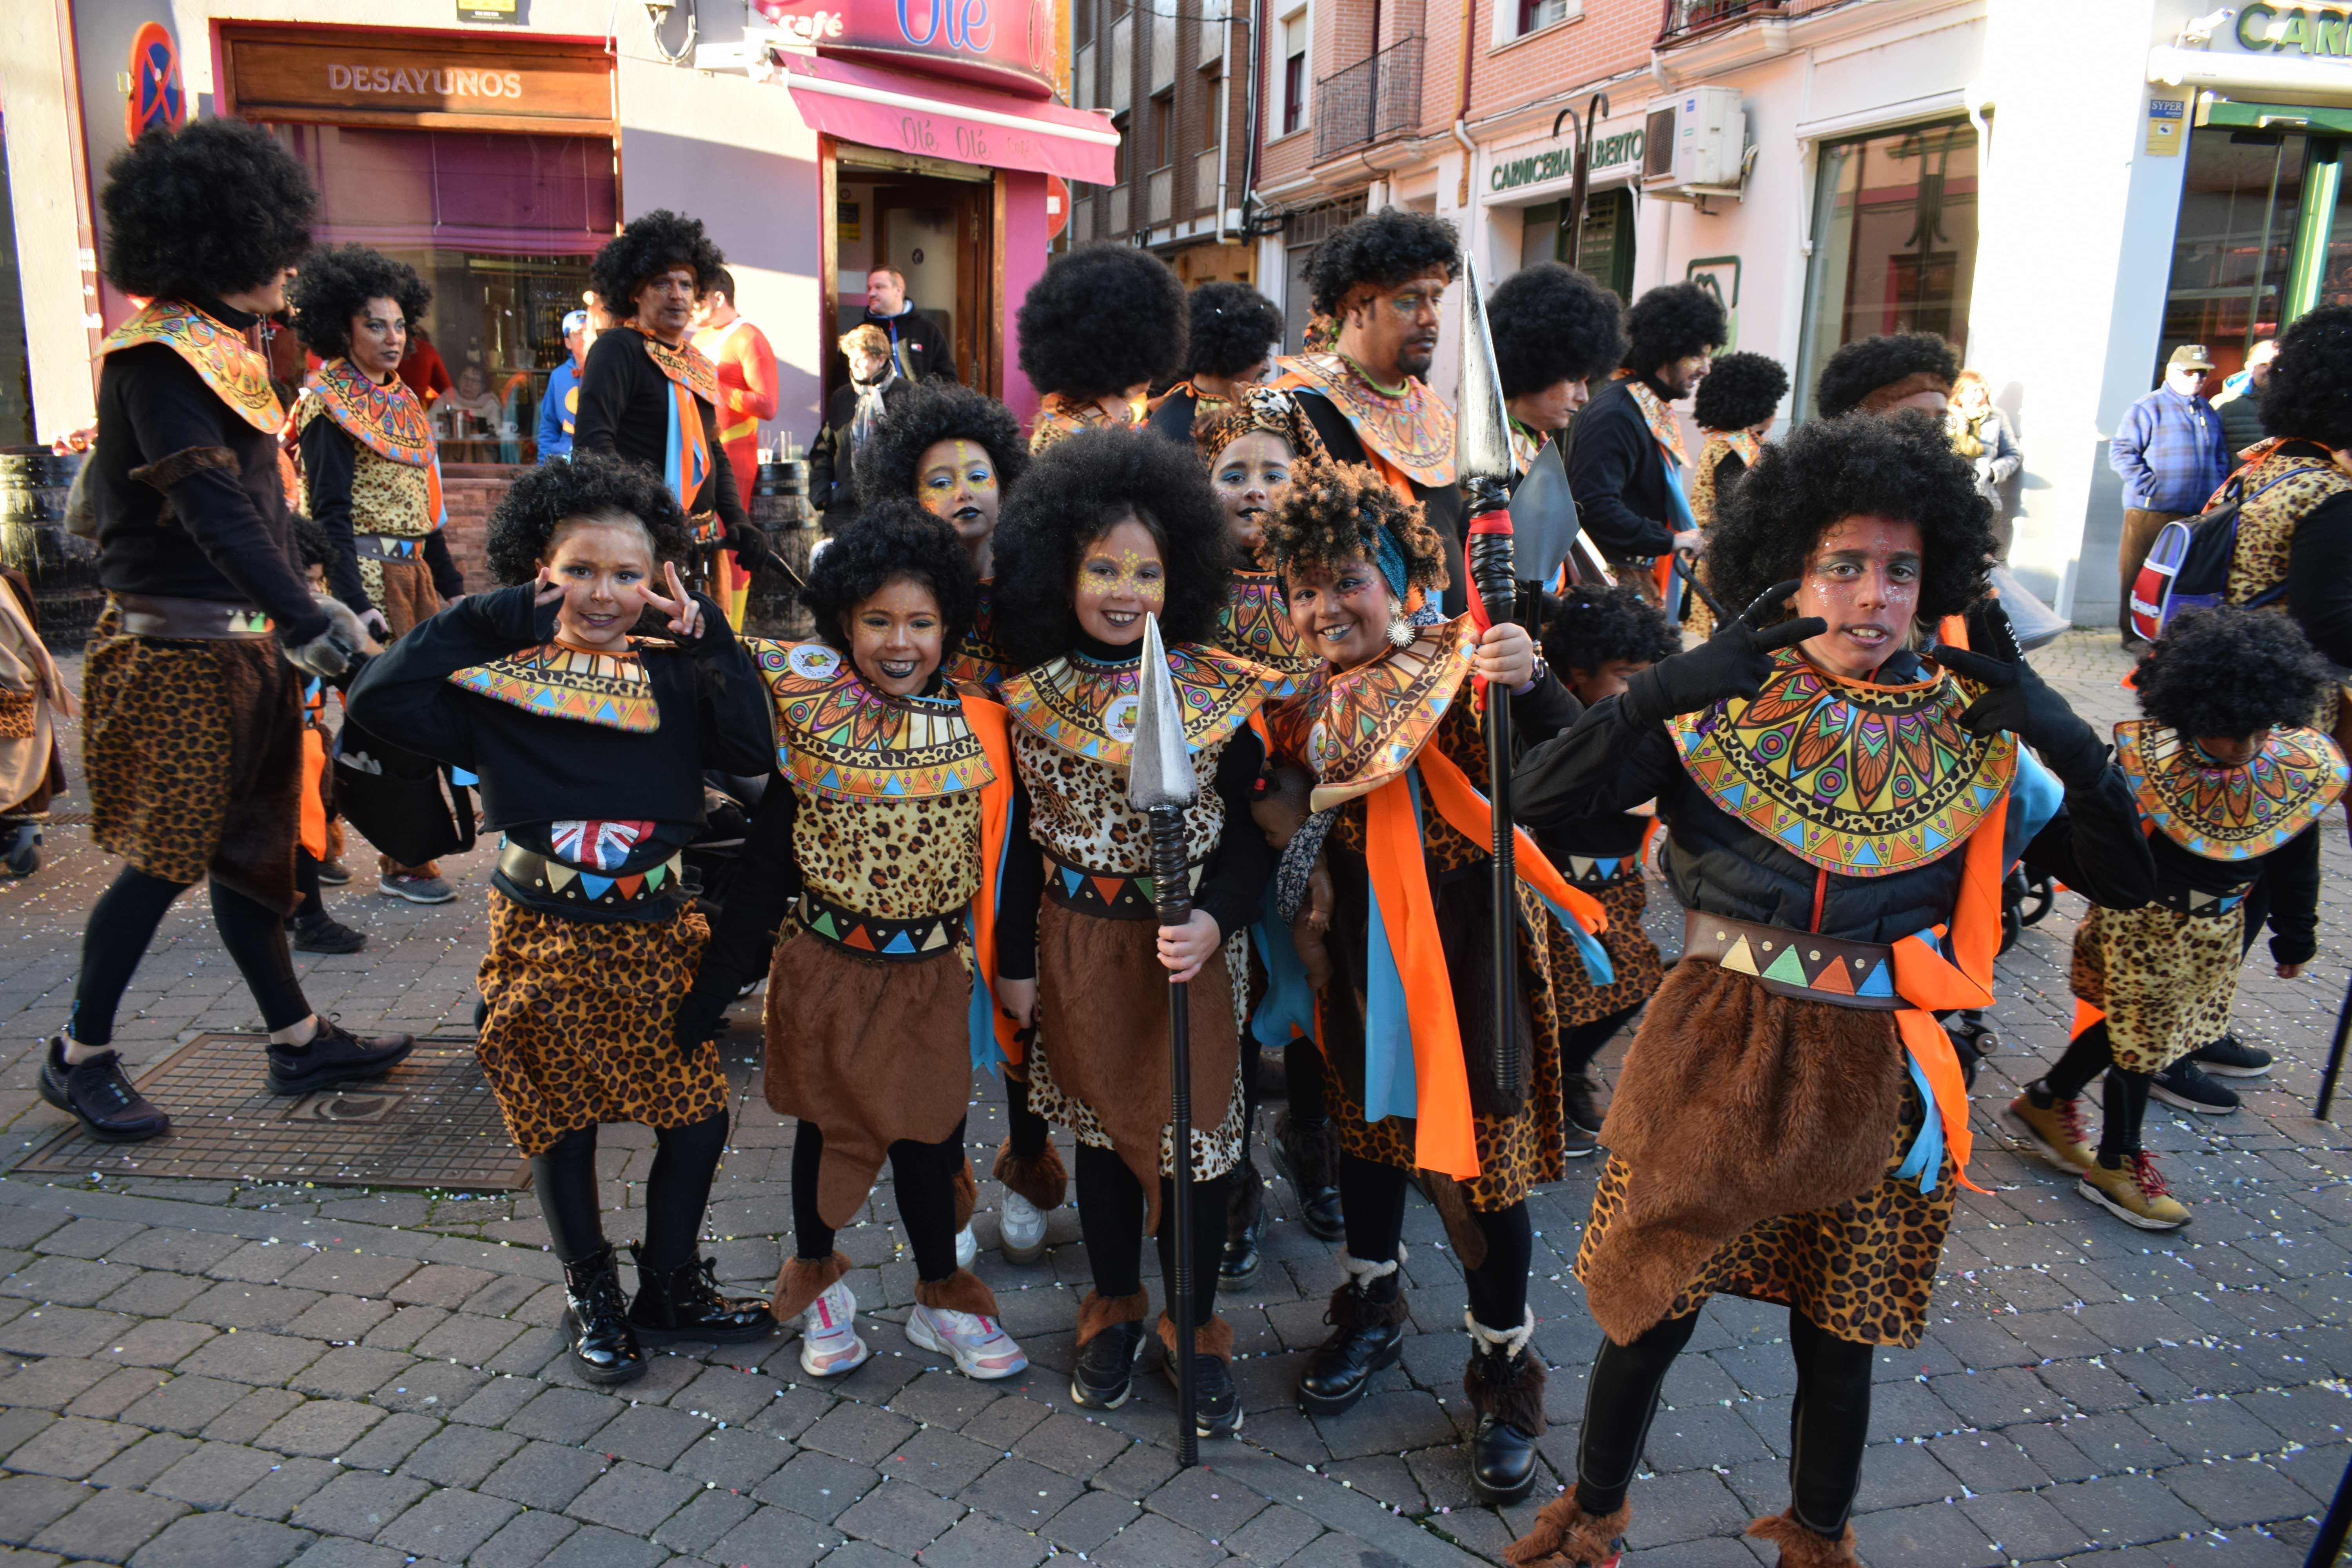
(336, 283)
(1863, 464)
(1552, 323)
(1868, 364)
(1594, 625)
(213, 208)
(938, 411)
(1103, 318)
(2309, 393)
(648, 247)
(591, 485)
(891, 538)
(1233, 328)
(1075, 492)
(1741, 390)
(1382, 250)
(1672, 321)
(2230, 672)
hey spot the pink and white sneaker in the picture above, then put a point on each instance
(979, 1345)
(829, 1343)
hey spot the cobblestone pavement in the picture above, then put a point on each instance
(201, 1374)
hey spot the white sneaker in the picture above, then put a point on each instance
(979, 1345)
(1022, 1229)
(829, 1342)
(967, 1247)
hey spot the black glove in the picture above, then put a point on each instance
(1733, 662)
(702, 1013)
(2017, 700)
(749, 547)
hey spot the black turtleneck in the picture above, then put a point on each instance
(624, 402)
(188, 497)
(1618, 475)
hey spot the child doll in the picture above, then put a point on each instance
(883, 826)
(1595, 639)
(2229, 786)
(1106, 528)
(589, 744)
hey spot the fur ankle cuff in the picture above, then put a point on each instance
(967, 1193)
(1362, 1271)
(802, 1281)
(1564, 1536)
(1804, 1547)
(962, 1291)
(1215, 1338)
(1099, 1313)
(1041, 1179)
(1505, 1379)
(1354, 1309)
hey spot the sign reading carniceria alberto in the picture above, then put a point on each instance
(1558, 163)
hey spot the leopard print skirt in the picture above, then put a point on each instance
(578, 1028)
(172, 733)
(1864, 1270)
(1632, 954)
(2165, 979)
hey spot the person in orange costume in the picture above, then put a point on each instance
(747, 394)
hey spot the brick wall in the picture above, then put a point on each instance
(471, 491)
(1610, 37)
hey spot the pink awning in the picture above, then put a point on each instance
(939, 118)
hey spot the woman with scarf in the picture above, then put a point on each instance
(854, 414)
(1980, 434)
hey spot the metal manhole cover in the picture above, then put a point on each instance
(429, 1122)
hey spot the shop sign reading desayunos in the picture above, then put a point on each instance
(365, 75)
(1007, 44)
(1619, 150)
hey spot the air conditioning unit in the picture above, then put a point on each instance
(1696, 145)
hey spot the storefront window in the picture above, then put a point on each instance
(2230, 250)
(1894, 240)
(502, 226)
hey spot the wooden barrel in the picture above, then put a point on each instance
(780, 511)
(34, 484)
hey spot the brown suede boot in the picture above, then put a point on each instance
(1564, 1536)
(1804, 1547)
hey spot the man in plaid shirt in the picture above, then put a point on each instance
(2170, 452)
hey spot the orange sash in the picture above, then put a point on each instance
(993, 725)
(1928, 981)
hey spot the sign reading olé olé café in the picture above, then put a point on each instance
(360, 75)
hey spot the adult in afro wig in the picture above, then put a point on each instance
(1861, 466)
(1102, 325)
(1554, 330)
(590, 487)
(336, 284)
(2300, 534)
(910, 454)
(1074, 493)
(1378, 253)
(892, 538)
(1669, 333)
(2228, 673)
(1878, 375)
(2309, 394)
(659, 242)
(215, 208)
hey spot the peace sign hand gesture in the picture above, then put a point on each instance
(684, 610)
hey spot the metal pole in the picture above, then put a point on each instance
(2334, 1057)
(2328, 1545)
(1171, 899)
(1494, 575)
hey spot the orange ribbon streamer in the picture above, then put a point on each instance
(993, 726)
(1928, 981)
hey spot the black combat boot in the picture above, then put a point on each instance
(1366, 1318)
(597, 1324)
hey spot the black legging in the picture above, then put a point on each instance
(1027, 1128)
(124, 921)
(924, 1174)
(1110, 1218)
(1302, 1067)
(2088, 1055)
(1584, 1041)
(306, 884)
(1827, 1423)
(677, 1190)
(1371, 1200)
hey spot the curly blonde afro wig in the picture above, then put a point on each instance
(1335, 514)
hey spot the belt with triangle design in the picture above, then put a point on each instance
(875, 937)
(1107, 894)
(1803, 964)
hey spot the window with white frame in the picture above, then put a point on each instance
(1536, 15)
(1294, 36)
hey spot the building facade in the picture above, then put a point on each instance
(497, 154)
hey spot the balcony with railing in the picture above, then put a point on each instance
(1369, 100)
(1687, 19)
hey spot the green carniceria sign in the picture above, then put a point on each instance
(2312, 29)
(1558, 163)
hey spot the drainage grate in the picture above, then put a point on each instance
(430, 1122)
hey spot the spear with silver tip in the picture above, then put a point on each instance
(1160, 784)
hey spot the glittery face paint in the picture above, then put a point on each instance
(1864, 579)
(1251, 474)
(956, 480)
(1342, 614)
(1121, 579)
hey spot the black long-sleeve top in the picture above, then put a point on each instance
(536, 769)
(1443, 504)
(1618, 475)
(625, 410)
(187, 494)
(2319, 567)
(330, 456)
(1718, 864)
(2292, 871)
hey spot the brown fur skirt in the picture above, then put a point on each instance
(1102, 1031)
(1752, 1140)
(869, 1051)
(193, 755)
(579, 1023)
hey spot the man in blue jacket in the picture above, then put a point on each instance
(562, 405)
(2170, 452)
